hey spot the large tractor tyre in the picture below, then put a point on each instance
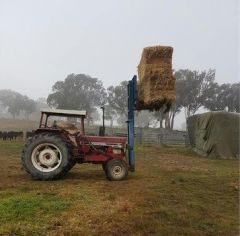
(72, 161)
(47, 157)
(116, 170)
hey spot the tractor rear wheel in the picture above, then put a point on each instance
(116, 169)
(47, 157)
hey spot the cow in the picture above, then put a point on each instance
(29, 134)
(4, 135)
(11, 135)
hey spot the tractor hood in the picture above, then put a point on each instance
(109, 140)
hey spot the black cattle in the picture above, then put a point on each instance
(15, 135)
(4, 135)
(29, 134)
(11, 135)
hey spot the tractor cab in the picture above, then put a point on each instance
(76, 115)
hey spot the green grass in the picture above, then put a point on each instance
(31, 210)
(24, 206)
(173, 192)
(11, 147)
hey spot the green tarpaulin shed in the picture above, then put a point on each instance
(215, 134)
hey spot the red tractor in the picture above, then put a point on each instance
(53, 151)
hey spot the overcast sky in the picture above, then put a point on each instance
(43, 41)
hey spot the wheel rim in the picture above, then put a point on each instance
(46, 157)
(117, 171)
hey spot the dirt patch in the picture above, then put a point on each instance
(11, 172)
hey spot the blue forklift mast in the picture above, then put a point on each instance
(132, 98)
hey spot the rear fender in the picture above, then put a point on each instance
(62, 133)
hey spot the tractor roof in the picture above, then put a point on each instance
(61, 112)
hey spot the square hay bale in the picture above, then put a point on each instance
(71, 129)
(156, 87)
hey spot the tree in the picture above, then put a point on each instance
(234, 98)
(118, 99)
(10, 100)
(95, 116)
(169, 117)
(78, 91)
(110, 114)
(222, 97)
(17, 103)
(211, 98)
(28, 106)
(160, 117)
(191, 87)
(41, 103)
(144, 118)
(166, 119)
(190, 94)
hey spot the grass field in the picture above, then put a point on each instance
(172, 192)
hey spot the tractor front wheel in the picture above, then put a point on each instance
(116, 170)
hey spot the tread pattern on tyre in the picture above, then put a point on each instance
(68, 161)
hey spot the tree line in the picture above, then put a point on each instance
(16, 103)
(19, 106)
(194, 89)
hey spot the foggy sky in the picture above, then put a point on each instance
(44, 41)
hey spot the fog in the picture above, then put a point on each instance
(44, 41)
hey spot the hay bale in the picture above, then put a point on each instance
(70, 128)
(156, 87)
